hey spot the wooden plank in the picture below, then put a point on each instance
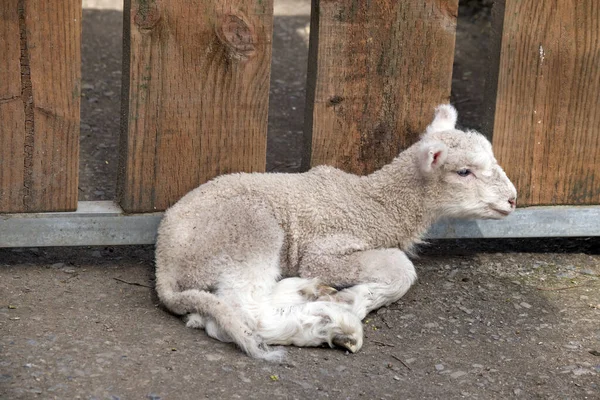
(39, 110)
(377, 69)
(12, 111)
(547, 123)
(197, 98)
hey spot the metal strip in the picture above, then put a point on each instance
(103, 223)
(554, 221)
(94, 223)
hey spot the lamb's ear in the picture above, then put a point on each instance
(432, 155)
(444, 119)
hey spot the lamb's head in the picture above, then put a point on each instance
(461, 169)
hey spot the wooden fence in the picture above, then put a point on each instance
(196, 86)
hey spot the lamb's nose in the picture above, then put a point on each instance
(513, 202)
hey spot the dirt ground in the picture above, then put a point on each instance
(486, 320)
(85, 324)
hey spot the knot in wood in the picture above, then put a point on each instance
(237, 36)
(147, 14)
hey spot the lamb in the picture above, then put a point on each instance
(223, 249)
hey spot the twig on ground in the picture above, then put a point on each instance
(133, 283)
(403, 363)
(559, 288)
(383, 343)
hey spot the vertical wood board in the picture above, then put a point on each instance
(377, 69)
(196, 100)
(40, 75)
(12, 115)
(547, 122)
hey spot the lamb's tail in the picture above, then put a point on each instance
(208, 304)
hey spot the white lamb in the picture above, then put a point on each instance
(223, 248)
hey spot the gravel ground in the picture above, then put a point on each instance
(486, 320)
(85, 324)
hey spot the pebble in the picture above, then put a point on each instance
(525, 305)
(465, 310)
(439, 367)
(458, 374)
(57, 265)
(213, 357)
(396, 378)
(587, 272)
(582, 371)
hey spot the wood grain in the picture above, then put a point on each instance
(197, 98)
(547, 122)
(40, 77)
(377, 70)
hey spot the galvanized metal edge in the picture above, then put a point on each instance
(94, 223)
(553, 221)
(104, 223)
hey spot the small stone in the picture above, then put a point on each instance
(396, 378)
(458, 374)
(525, 305)
(439, 367)
(465, 310)
(430, 325)
(581, 371)
(68, 270)
(87, 86)
(477, 365)
(452, 273)
(57, 265)
(517, 392)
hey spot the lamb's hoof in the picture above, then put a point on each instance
(318, 291)
(325, 291)
(348, 342)
(195, 321)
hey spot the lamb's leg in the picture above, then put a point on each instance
(293, 316)
(312, 324)
(387, 275)
(373, 278)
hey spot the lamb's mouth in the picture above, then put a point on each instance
(503, 212)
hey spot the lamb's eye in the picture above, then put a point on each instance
(464, 172)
